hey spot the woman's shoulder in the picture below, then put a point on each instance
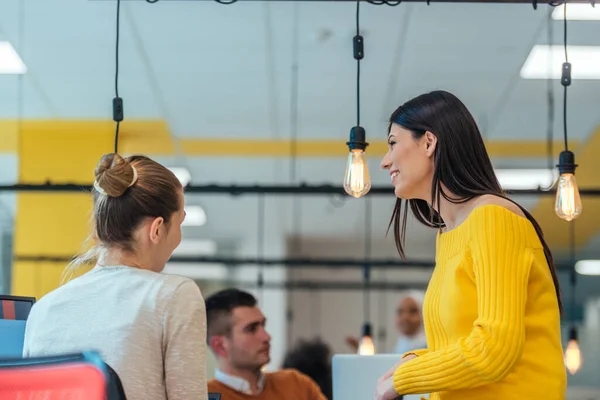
(497, 203)
(499, 215)
(502, 218)
(176, 284)
(179, 291)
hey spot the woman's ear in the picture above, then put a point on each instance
(155, 227)
(430, 143)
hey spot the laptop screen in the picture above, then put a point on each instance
(355, 377)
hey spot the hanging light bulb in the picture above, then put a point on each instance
(573, 359)
(366, 346)
(568, 201)
(357, 181)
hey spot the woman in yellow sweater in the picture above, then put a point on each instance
(492, 308)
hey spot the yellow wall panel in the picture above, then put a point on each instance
(50, 223)
(153, 137)
(24, 278)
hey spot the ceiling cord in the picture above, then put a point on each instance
(117, 101)
(573, 272)
(367, 267)
(386, 2)
(261, 245)
(550, 100)
(358, 54)
(226, 2)
(566, 77)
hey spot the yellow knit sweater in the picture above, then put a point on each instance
(491, 316)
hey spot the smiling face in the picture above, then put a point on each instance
(410, 162)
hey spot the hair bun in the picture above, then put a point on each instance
(114, 175)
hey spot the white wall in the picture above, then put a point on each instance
(589, 343)
(273, 302)
(335, 314)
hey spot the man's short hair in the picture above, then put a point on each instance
(219, 307)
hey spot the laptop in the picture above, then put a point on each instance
(355, 377)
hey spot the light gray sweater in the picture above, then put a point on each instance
(149, 327)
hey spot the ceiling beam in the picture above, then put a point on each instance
(290, 262)
(236, 190)
(555, 3)
(397, 2)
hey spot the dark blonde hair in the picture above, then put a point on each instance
(126, 191)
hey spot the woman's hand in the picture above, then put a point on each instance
(385, 385)
(386, 390)
(390, 373)
(352, 342)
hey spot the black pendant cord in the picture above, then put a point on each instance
(383, 314)
(117, 101)
(367, 267)
(573, 274)
(550, 98)
(261, 245)
(358, 37)
(566, 77)
(357, 133)
(296, 200)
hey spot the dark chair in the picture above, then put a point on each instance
(115, 389)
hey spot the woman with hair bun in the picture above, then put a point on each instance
(149, 327)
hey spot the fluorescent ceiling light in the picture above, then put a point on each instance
(515, 179)
(588, 267)
(10, 62)
(183, 174)
(194, 216)
(577, 12)
(196, 247)
(546, 62)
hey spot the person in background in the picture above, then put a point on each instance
(492, 306)
(149, 327)
(312, 358)
(241, 344)
(409, 324)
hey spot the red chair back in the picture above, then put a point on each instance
(66, 381)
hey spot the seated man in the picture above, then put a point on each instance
(237, 336)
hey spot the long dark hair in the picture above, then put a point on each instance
(461, 163)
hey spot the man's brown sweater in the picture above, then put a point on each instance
(287, 384)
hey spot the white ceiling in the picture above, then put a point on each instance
(225, 71)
